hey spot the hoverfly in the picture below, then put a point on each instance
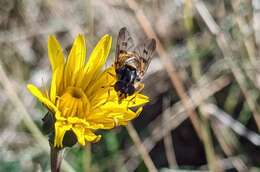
(131, 63)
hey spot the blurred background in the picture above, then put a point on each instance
(203, 83)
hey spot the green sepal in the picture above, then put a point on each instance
(48, 123)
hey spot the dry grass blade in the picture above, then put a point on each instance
(141, 149)
(246, 31)
(169, 148)
(222, 40)
(226, 163)
(230, 122)
(222, 132)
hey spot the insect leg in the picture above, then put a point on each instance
(139, 87)
(131, 100)
(108, 92)
(111, 74)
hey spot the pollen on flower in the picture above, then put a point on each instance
(76, 92)
(74, 102)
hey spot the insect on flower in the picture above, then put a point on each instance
(76, 95)
(131, 63)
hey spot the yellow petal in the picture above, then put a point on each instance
(136, 100)
(60, 130)
(53, 89)
(126, 120)
(98, 123)
(91, 137)
(106, 81)
(79, 77)
(76, 58)
(77, 120)
(138, 112)
(104, 96)
(38, 94)
(79, 132)
(59, 80)
(109, 95)
(58, 117)
(55, 53)
(96, 60)
(111, 114)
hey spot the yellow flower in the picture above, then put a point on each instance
(81, 96)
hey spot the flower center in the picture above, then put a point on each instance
(74, 102)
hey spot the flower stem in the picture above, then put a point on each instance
(56, 158)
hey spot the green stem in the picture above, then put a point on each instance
(56, 158)
(87, 158)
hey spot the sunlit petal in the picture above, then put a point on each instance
(60, 130)
(76, 59)
(53, 89)
(97, 59)
(38, 94)
(91, 137)
(79, 131)
(55, 53)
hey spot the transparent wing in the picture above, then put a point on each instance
(124, 43)
(145, 52)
